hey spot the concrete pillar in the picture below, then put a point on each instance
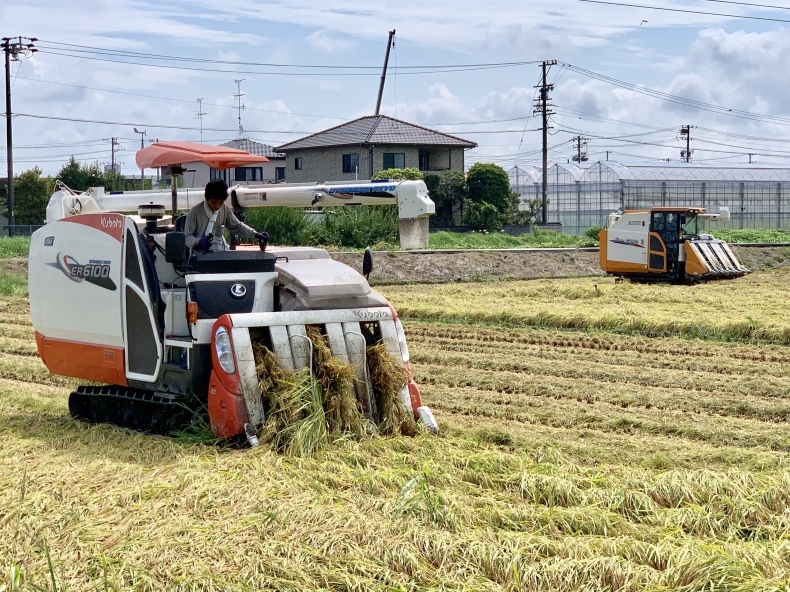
(413, 233)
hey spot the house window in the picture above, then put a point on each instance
(424, 161)
(298, 163)
(394, 160)
(215, 174)
(279, 173)
(350, 163)
(248, 174)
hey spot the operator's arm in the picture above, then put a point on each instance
(192, 228)
(233, 224)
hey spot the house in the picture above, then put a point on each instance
(198, 173)
(362, 147)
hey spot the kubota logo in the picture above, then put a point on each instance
(93, 272)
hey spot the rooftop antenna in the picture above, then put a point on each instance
(240, 107)
(384, 71)
(200, 115)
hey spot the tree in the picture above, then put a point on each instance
(31, 195)
(410, 174)
(448, 190)
(530, 208)
(489, 184)
(80, 177)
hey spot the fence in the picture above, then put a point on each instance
(19, 229)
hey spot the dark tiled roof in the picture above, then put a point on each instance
(377, 129)
(253, 147)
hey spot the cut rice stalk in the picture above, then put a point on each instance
(388, 377)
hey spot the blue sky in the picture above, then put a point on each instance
(74, 95)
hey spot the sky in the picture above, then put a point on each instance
(628, 75)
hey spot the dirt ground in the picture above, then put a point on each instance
(466, 266)
(516, 264)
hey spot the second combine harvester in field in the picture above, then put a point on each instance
(665, 244)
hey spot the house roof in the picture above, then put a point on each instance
(376, 129)
(253, 147)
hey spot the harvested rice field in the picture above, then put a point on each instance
(594, 436)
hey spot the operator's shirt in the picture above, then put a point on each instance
(197, 222)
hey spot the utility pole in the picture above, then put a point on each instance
(240, 107)
(607, 155)
(113, 144)
(384, 71)
(200, 115)
(542, 108)
(750, 157)
(686, 131)
(142, 145)
(12, 50)
(581, 156)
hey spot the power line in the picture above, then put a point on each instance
(687, 11)
(444, 69)
(748, 4)
(375, 69)
(163, 126)
(161, 98)
(681, 100)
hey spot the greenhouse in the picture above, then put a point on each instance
(583, 196)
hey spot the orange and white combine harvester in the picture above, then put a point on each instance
(118, 300)
(664, 244)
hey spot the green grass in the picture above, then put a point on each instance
(500, 240)
(748, 235)
(12, 284)
(12, 247)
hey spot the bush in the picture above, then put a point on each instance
(481, 215)
(356, 227)
(410, 174)
(593, 231)
(286, 226)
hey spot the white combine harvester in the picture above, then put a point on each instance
(117, 299)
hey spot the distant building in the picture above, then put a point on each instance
(198, 173)
(362, 147)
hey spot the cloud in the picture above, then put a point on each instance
(330, 42)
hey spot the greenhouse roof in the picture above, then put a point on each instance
(656, 171)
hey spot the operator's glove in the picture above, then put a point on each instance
(204, 244)
(262, 236)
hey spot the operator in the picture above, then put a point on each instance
(203, 228)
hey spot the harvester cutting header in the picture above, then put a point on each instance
(118, 299)
(665, 244)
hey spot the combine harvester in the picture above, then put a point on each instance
(664, 245)
(118, 300)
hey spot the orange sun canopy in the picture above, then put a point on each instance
(176, 153)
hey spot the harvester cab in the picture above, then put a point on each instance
(665, 244)
(164, 334)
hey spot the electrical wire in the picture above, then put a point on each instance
(686, 11)
(681, 100)
(160, 98)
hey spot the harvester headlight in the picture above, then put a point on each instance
(404, 349)
(224, 350)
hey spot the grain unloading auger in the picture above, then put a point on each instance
(664, 244)
(119, 301)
